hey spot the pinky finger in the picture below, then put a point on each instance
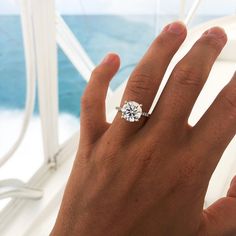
(217, 127)
(93, 110)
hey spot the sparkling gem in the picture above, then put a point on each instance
(131, 111)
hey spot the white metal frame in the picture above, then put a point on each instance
(31, 77)
(43, 22)
(40, 43)
(16, 188)
(73, 49)
(35, 51)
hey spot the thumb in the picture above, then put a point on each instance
(220, 217)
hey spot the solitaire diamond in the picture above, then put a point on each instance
(131, 111)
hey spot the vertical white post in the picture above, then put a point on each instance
(27, 31)
(182, 9)
(157, 11)
(43, 14)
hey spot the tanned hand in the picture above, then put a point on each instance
(149, 178)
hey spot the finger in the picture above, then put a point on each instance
(93, 110)
(232, 189)
(217, 126)
(220, 218)
(146, 78)
(188, 78)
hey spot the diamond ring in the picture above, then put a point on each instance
(132, 111)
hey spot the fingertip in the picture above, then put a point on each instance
(177, 28)
(217, 33)
(105, 70)
(111, 59)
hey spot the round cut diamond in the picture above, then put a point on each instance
(131, 111)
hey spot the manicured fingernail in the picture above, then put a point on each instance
(216, 32)
(109, 59)
(176, 27)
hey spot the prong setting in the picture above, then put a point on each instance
(132, 111)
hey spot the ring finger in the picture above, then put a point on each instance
(147, 76)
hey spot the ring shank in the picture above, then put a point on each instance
(143, 113)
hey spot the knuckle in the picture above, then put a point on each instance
(228, 97)
(185, 76)
(140, 82)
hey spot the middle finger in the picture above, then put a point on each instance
(188, 79)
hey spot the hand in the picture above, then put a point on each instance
(150, 177)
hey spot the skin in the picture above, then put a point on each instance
(150, 177)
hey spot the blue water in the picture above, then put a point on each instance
(128, 36)
(97, 34)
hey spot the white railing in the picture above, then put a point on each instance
(30, 74)
(43, 22)
(18, 189)
(42, 30)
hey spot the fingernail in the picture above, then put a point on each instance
(176, 27)
(216, 32)
(109, 59)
